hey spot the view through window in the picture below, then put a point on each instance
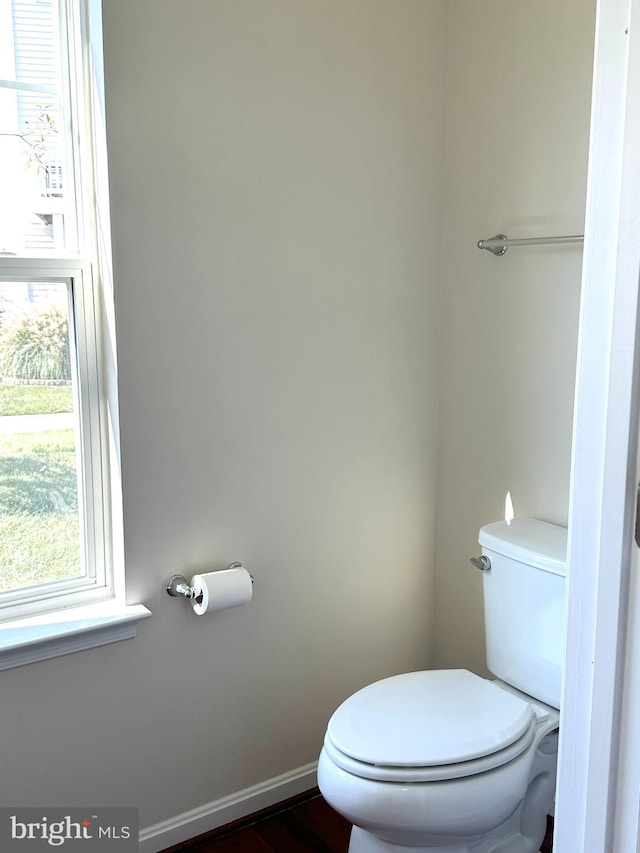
(52, 507)
(39, 521)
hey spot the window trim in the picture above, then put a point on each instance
(62, 632)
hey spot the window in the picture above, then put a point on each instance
(58, 427)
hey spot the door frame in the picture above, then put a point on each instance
(591, 813)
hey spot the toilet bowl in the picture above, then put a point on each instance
(441, 761)
(445, 761)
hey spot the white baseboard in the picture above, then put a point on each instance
(189, 824)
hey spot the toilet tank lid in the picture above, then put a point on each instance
(530, 541)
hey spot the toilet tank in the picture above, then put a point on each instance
(524, 593)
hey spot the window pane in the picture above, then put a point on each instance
(34, 203)
(40, 535)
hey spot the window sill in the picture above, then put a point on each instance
(63, 632)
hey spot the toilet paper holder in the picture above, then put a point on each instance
(178, 586)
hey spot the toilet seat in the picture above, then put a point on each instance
(437, 773)
(429, 726)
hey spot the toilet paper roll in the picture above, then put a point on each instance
(221, 590)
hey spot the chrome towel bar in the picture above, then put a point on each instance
(499, 244)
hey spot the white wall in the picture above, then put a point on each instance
(518, 102)
(276, 179)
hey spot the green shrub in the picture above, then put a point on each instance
(35, 345)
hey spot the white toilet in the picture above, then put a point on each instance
(445, 761)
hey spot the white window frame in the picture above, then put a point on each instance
(94, 497)
(65, 616)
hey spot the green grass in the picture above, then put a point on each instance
(35, 550)
(39, 526)
(35, 399)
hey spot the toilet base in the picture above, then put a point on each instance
(364, 842)
(509, 840)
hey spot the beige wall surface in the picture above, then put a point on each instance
(276, 178)
(518, 103)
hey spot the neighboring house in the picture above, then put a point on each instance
(29, 118)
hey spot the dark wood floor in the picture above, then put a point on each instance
(304, 824)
